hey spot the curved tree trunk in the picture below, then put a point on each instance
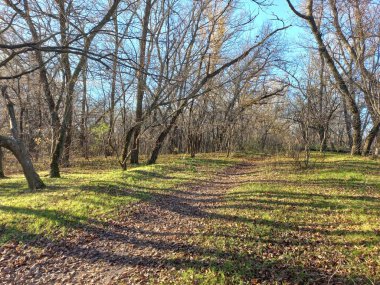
(19, 151)
(17, 147)
(125, 154)
(371, 138)
(159, 142)
(161, 138)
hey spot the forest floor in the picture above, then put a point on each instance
(209, 220)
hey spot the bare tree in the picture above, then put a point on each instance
(351, 56)
(141, 82)
(15, 144)
(71, 79)
(341, 82)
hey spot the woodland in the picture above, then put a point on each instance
(189, 142)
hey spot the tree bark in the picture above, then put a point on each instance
(72, 80)
(125, 154)
(141, 78)
(109, 150)
(2, 175)
(322, 133)
(67, 146)
(17, 147)
(161, 138)
(356, 134)
(19, 151)
(347, 121)
(342, 85)
(371, 138)
(59, 148)
(43, 73)
(83, 140)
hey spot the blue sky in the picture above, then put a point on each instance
(295, 36)
(281, 9)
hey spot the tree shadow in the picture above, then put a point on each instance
(184, 207)
(10, 187)
(246, 266)
(110, 242)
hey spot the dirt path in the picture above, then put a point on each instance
(147, 244)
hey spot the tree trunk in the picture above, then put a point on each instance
(370, 138)
(109, 150)
(356, 132)
(83, 121)
(161, 138)
(194, 144)
(59, 148)
(17, 147)
(322, 138)
(19, 151)
(43, 77)
(125, 153)
(342, 84)
(71, 78)
(347, 121)
(2, 175)
(67, 147)
(67, 118)
(377, 148)
(141, 78)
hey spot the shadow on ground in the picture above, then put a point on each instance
(170, 228)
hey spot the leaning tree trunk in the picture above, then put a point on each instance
(161, 138)
(17, 147)
(159, 142)
(19, 151)
(370, 138)
(340, 80)
(2, 175)
(125, 154)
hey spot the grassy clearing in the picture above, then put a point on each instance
(280, 225)
(289, 226)
(91, 192)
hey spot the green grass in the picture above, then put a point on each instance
(91, 192)
(291, 226)
(281, 225)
